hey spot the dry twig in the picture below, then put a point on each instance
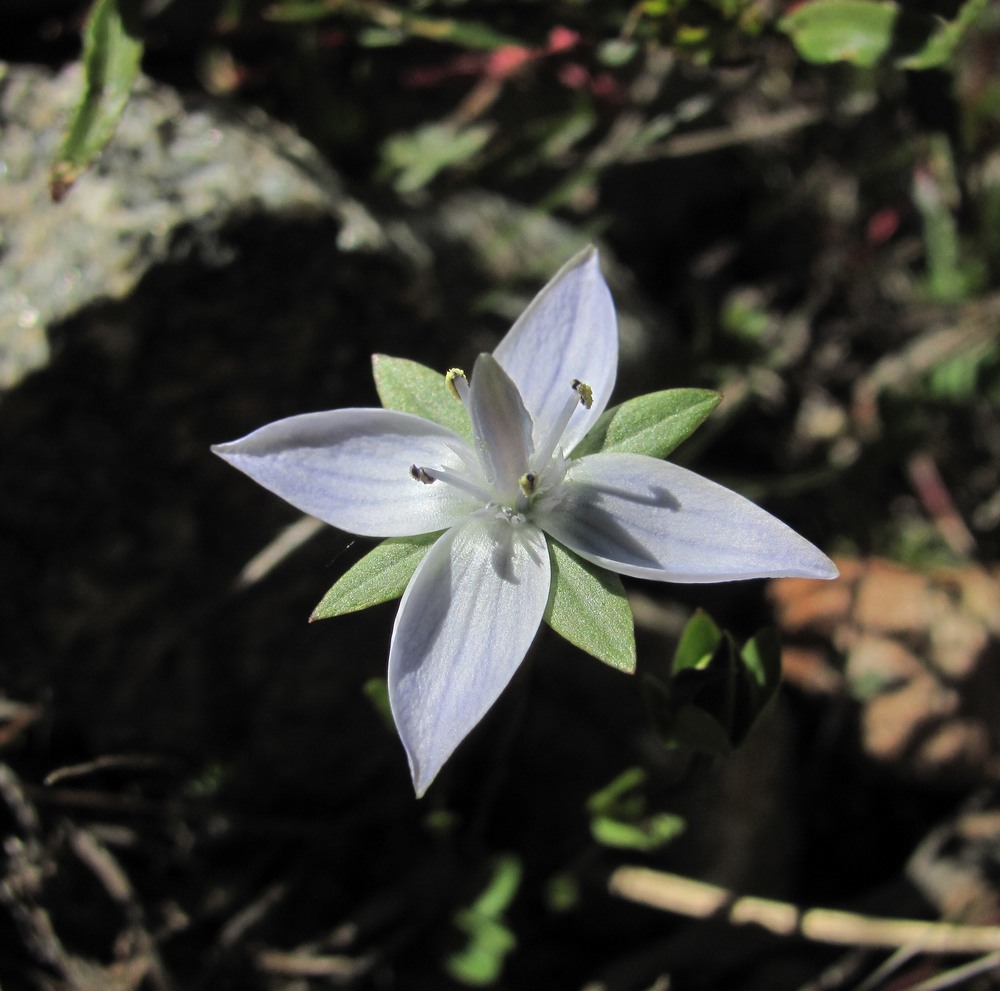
(696, 899)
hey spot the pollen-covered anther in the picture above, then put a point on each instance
(585, 393)
(529, 483)
(458, 383)
(420, 475)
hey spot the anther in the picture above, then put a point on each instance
(529, 483)
(585, 393)
(420, 475)
(457, 383)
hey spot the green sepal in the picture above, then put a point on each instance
(717, 691)
(653, 424)
(587, 606)
(111, 57)
(380, 576)
(410, 387)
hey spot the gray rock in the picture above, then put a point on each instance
(172, 165)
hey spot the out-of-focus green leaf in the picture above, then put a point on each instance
(410, 387)
(652, 833)
(946, 37)
(613, 794)
(936, 195)
(396, 19)
(618, 816)
(111, 57)
(377, 692)
(587, 606)
(653, 424)
(380, 576)
(415, 158)
(858, 31)
(562, 893)
(697, 729)
(865, 32)
(489, 940)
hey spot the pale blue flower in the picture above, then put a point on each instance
(476, 600)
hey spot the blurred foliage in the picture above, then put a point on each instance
(619, 818)
(482, 923)
(864, 32)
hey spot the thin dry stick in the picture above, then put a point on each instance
(696, 899)
(952, 978)
(287, 542)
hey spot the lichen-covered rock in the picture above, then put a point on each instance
(175, 172)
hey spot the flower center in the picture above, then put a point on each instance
(546, 463)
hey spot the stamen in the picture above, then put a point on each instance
(453, 478)
(458, 384)
(529, 484)
(582, 395)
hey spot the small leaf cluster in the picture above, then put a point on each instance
(717, 690)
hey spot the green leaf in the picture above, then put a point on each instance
(858, 31)
(380, 576)
(696, 729)
(653, 424)
(699, 640)
(587, 606)
(489, 940)
(480, 963)
(376, 690)
(717, 692)
(611, 796)
(645, 836)
(866, 31)
(111, 57)
(618, 815)
(413, 159)
(410, 387)
(761, 665)
(761, 656)
(390, 17)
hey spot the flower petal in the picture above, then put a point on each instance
(501, 426)
(351, 469)
(569, 331)
(651, 519)
(464, 625)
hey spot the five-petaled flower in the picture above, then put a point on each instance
(476, 600)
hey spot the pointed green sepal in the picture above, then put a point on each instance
(409, 387)
(380, 576)
(653, 424)
(587, 606)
